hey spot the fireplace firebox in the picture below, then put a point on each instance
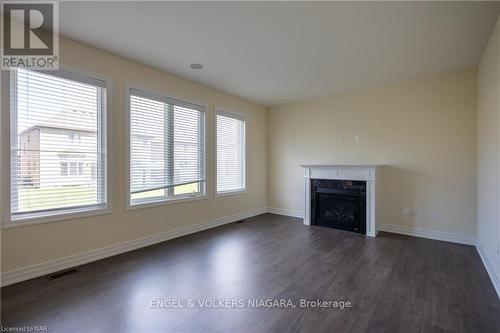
(339, 204)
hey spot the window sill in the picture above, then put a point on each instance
(40, 218)
(165, 202)
(228, 193)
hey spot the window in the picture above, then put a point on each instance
(64, 168)
(230, 152)
(74, 137)
(64, 115)
(72, 168)
(167, 148)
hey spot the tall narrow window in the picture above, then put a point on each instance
(57, 128)
(167, 148)
(230, 152)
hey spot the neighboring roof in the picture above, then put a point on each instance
(74, 120)
(53, 127)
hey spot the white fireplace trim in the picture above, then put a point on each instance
(368, 173)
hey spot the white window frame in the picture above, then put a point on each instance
(161, 200)
(239, 116)
(24, 219)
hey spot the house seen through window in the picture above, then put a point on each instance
(58, 159)
(167, 148)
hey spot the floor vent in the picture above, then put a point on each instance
(240, 221)
(61, 274)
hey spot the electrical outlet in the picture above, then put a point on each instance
(413, 212)
(406, 211)
(356, 139)
(341, 139)
(436, 215)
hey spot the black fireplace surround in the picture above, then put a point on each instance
(339, 204)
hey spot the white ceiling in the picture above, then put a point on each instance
(275, 53)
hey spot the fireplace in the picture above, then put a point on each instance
(343, 187)
(339, 204)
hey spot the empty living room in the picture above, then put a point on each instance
(256, 166)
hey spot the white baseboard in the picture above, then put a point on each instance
(397, 229)
(491, 272)
(428, 233)
(286, 212)
(51, 266)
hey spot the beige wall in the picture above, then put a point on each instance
(424, 131)
(35, 244)
(488, 153)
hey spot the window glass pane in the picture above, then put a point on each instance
(188, 143)
(187, 189)
(148, 195)
(147, 144)
(167, 148)
(230, 153)
(56, 126)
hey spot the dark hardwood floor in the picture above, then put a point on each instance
(395, 284)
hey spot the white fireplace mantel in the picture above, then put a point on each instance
(368, 173)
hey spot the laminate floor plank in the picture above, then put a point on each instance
(395, 283)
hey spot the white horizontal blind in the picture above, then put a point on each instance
(148, 152)
(167, 146)
(230, 152)
(57, 142)
(188, 142)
